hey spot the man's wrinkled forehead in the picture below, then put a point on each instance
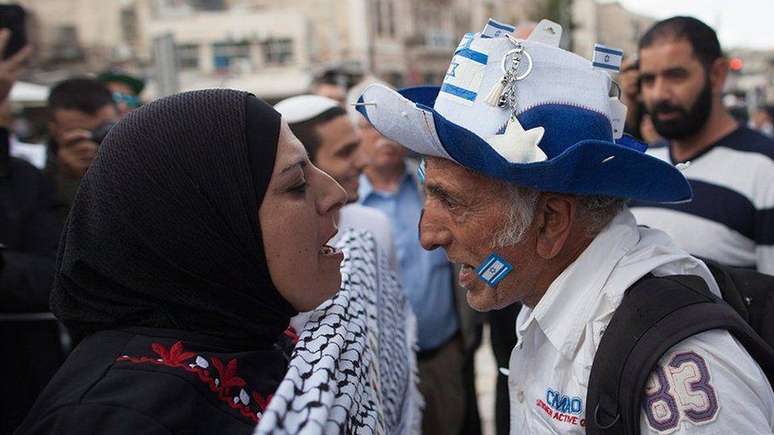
(455, 178)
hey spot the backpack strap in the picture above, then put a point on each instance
(655, 315)
(750, 293)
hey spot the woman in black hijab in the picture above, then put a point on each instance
(196, 234)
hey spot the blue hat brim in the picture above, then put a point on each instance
(588, 167)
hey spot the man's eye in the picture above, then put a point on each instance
(447, 202)
(346, 152)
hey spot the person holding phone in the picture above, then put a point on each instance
(29, 233)
(82, 111)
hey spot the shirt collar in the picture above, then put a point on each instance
(571, 299)
(365, 188)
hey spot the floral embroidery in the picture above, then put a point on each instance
(175, 356)
(228, 377)
(224, 381)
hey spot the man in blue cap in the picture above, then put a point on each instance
(527, 179)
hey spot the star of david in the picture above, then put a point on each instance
(453, 69)
(517, 145)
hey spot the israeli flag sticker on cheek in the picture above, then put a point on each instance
(493, 270)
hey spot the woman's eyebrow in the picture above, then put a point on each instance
(301, 162)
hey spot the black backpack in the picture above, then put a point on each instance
(658, 313)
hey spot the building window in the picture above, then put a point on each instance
(129, 24)
(187, 56)
(437, 38)
(277, 51)
(391, 18)
(226, 54)
(378, 17)
(385, 17)
(66, 46)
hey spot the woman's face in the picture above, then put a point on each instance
(297, 221)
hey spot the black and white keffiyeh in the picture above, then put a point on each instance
(353, 370)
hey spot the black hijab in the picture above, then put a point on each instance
(164, 230)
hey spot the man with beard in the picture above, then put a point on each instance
(729, 166)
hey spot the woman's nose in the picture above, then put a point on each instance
(331, 197)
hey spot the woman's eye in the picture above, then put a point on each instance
(299, 188)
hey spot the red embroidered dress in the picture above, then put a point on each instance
(159, 381)
(223, 382)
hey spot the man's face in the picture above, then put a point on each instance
(124, 96)
(382, 153)
(675, 87)
(72, 132)
(463, 211)
(339, 154)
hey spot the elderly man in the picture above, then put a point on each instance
(527, 179)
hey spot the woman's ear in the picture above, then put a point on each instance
(554, 217)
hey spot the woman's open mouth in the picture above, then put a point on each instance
(329, 251)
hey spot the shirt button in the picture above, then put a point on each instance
(520, 396)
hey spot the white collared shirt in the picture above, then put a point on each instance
(706, 384)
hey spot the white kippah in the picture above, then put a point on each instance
(304, 107)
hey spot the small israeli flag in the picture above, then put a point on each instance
(421, 171)
(466, 71)
(496, 29)
(607, 58)
(493, 270)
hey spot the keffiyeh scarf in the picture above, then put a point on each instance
(353, 368)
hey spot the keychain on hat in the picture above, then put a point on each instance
(503, 94)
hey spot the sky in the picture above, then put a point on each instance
(739, 23)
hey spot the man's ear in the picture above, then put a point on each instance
(718, 72)
(554, 218)
(52, 128)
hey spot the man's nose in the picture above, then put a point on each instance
(432, 233)
(362, 159)
(660, 91)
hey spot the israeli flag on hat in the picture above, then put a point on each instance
(466, 71)
(607, 58)
(496, 29)
(555, 131)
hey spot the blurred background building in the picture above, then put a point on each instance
(277, 48)
(272, 48)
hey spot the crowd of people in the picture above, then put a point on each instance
(174, 266)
